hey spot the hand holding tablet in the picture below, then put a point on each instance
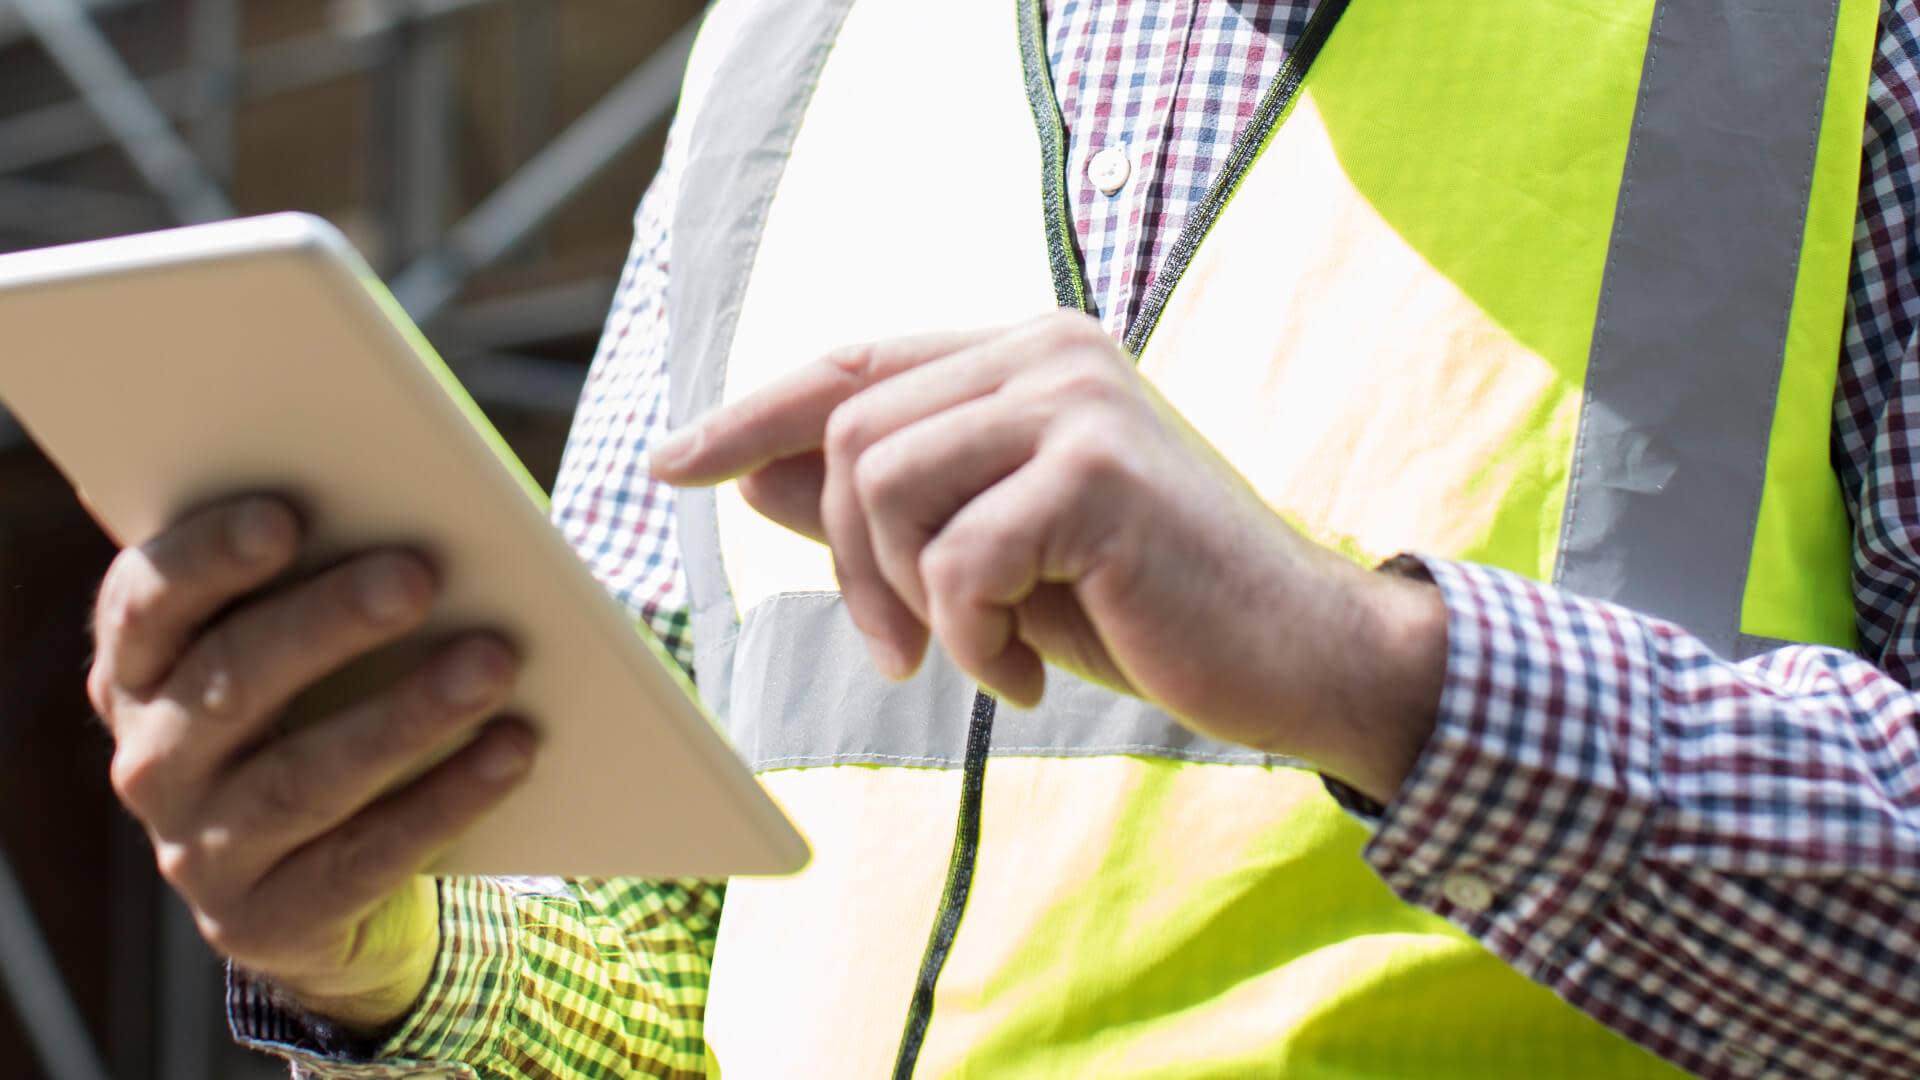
(166, 374)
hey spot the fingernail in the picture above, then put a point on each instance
(470, 676)
(502, 759)
(678, 447)
(386, 589)
(258, 531)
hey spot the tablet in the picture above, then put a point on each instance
(165, 371)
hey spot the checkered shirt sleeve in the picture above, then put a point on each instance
(1719, 860)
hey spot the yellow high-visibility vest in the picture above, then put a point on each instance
(1551, 285)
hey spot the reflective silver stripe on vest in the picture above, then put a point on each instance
(1748, 646)
(1691, 332)
(735, 157)
(804, 694)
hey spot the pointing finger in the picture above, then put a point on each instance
(788, 493)
(790, 416)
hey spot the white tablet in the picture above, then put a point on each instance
(164, 371)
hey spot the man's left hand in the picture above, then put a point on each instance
(1023, 495)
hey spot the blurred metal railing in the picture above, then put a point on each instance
(38, 993)
(405, 45)
(177, 129)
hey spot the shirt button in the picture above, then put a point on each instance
(1109, 170)
(1468, 893)
(1745, 1060)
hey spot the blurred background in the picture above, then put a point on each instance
(486, 156)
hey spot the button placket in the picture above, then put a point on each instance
(1147, 149)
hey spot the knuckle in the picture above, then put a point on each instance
(214, 845)
(232, 542)
(136, 777)
(880, 479)
(987, 543)
(1069, 323)
(179, 864)
(124, 608)
(846, 434)
(314, 620)
(287, 792)
(355, 593)
(1066, 332)
(410, 720)
(341, 600)
(946, 570)
(1090, 453)
(101, 694)
(211, 680)
(1088, 384)
(364, 850)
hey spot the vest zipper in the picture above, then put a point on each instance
(1070, 290)
(953, 901)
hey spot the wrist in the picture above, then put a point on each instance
(1389, 675)
(392, 961)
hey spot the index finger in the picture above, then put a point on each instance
(790, 416)
(155, 596)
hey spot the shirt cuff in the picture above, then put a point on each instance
(1535, 796)
(456, 1021)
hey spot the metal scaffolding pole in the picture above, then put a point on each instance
(427, 130)
(189, 998)
(214, 48)
(531, 195)
(40, 998)
(53, 132)
(370, 17)
(533, 61)
(48, 210)
(56, 131)
(532, 110)
(12, 29)
(110, 89)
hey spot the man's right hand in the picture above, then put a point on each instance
(296, 851)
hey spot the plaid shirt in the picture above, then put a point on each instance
(1721, 861)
